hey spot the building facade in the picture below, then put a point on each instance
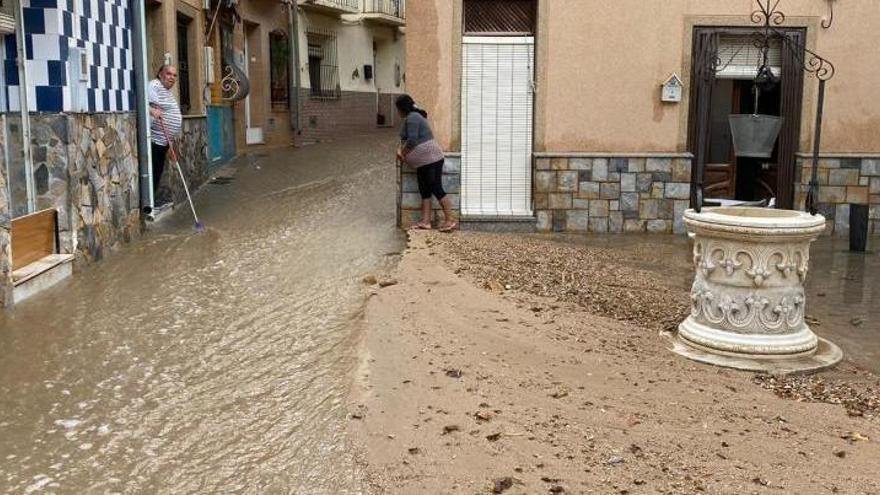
(563, 115)
(351, 66)
(69, 160)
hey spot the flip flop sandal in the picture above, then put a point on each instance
(421, 226)
(449, 228)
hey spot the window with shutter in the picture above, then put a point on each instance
(739, 58)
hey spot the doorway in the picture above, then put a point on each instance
(253, 133)
(728, 176)
(496, 126)
(725, 63)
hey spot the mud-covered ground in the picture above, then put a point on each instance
(479, 376)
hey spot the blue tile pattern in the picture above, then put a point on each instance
(55, 32)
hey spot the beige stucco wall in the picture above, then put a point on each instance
(162, 36)
(430, 25)
(600, 66)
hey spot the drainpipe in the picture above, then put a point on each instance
(139, 41)
(23, 103)
(294, 83)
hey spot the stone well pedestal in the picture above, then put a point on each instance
(747, 301)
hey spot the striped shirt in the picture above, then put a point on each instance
(161, 97)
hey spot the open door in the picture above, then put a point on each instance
(728, 89)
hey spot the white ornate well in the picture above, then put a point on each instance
(748, 294)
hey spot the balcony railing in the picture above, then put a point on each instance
(393, 8)
(340, 5)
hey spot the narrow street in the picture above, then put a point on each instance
(212, 363)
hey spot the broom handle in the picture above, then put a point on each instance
(174, 157)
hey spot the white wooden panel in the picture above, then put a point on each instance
(497, 127)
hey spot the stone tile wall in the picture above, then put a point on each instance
(5, 226)
(85, 166)
(411, 200)
(843, 181)
(611, 194)
(104, 203)
(193, 148)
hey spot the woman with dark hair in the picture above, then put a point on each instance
(419, 150)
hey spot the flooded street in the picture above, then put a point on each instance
(212, 363)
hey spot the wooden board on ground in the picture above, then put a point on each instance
(33, 237)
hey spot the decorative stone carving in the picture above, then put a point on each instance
(748, 295)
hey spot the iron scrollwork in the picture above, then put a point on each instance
(771, 18)
(229, 84)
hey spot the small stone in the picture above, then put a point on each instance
(495, 286)
(414, 450)
(388, 282)
(450, 429)
(454, 373)
(615, 460)
(483, 416)
(500, 485)
(370, 280)
(840, 453)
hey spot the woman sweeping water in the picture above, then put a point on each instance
(419, 150)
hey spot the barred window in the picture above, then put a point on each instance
(323, 67)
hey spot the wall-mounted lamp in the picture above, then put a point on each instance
(828, 21)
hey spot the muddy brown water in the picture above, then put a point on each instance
(211, 363)
(843, 287)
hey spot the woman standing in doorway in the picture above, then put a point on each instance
(419, 150)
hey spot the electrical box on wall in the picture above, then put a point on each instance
(209, 64)
(672, 89)
(368, 72)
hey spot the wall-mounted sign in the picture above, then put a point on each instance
(672, 89)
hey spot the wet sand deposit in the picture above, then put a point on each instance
(496, 379)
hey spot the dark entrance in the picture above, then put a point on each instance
(715, 95)
(728, 176)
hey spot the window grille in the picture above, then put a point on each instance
(500, 17)
(323, 65)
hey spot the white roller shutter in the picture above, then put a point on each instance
(496, 126)
(739, 58)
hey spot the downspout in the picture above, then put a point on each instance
(23, 103)
(294, 82)
(139, 42)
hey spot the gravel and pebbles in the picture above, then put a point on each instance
(623, 282)
(628, 280)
